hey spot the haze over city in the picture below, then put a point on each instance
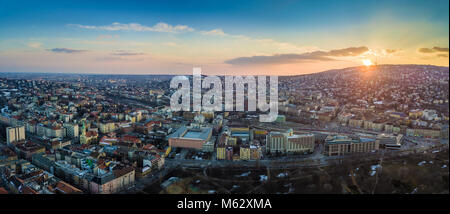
(244, 37)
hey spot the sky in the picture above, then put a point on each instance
(252, 37)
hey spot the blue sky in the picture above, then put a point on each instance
(291, 27)
(241, 16)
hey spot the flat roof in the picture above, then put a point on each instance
(192, 133)
(240, 135)
(301, 135)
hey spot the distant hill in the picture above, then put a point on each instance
(384, 67)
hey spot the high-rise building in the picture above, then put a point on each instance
(15, 134)
(72, 130)
(221, 153)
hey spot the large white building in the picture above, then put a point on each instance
(15, 134)
(288, 142)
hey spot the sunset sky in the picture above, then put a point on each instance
(223, 37)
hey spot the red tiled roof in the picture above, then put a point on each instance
(123, 171)
(66, 188)
(3, 191)
(148, 147)
(28, 190)
(102, 166)
(91, 133)
(131, 139)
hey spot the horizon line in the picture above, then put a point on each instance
(157, 74)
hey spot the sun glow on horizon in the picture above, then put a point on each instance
(367, 62)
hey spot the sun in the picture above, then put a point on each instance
(367, 62)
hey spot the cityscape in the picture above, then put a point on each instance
(354, 119)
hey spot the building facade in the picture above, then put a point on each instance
(287, 142)
(15, 134)
(336, 145)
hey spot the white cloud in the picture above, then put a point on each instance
(159, 27)
(127, 53)
(214, 32)
(34, 44)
